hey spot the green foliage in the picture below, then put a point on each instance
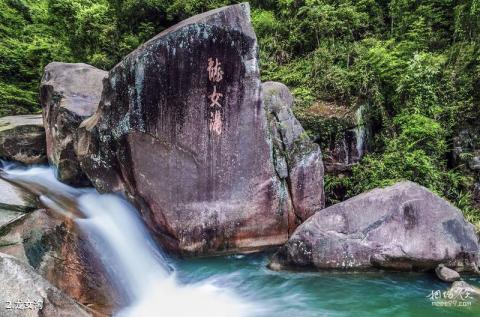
(417, 153)
(27, 43)
(415, 64)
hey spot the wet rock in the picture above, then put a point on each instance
(60, 254)
(69, 93)
(464, 289)
(401, 227)
(14, 204)
(182, 130)
(25, 293)
(22, 139)
(15, 199)
(297, 158)
(9, 217)
(446, 274)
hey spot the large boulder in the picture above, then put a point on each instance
(296, 158)
(182, 130)
(401, 227)
(51, 242)
(22, 139)
(24, 293)
(69, 93)
(60, 254)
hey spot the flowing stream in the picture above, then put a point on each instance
(230, 286)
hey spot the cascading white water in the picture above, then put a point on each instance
(151, 281)
(129, 253)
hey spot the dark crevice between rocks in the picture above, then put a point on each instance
(17, 208)
(37, 246)
(5, 229)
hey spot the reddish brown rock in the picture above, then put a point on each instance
(62, 255)
(24, 293)
(69, 93)
(182, 130)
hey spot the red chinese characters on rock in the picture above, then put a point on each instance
(215, 72)
(215, 75)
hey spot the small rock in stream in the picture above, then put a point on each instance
(462, 287)
(446, 274)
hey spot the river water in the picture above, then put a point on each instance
(231, 286)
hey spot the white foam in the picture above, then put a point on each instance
(137, 266)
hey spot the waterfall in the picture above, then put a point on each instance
(136, 265)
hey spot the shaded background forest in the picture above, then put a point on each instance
(413, 65)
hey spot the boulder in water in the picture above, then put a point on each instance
(25, 293)
(60, 254)
(401, 227)
(69, 93)
(22, 139)
(181, 129)
(446, 274)
(464, 289)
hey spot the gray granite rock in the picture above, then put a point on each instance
(15, 199)
(446, 274)
(464, 290)
(22, 139)
(24, 293)
(400, 227)
(69, 93)
(15, 203)
(291, 145)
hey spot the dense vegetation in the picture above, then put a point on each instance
(415, 64)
